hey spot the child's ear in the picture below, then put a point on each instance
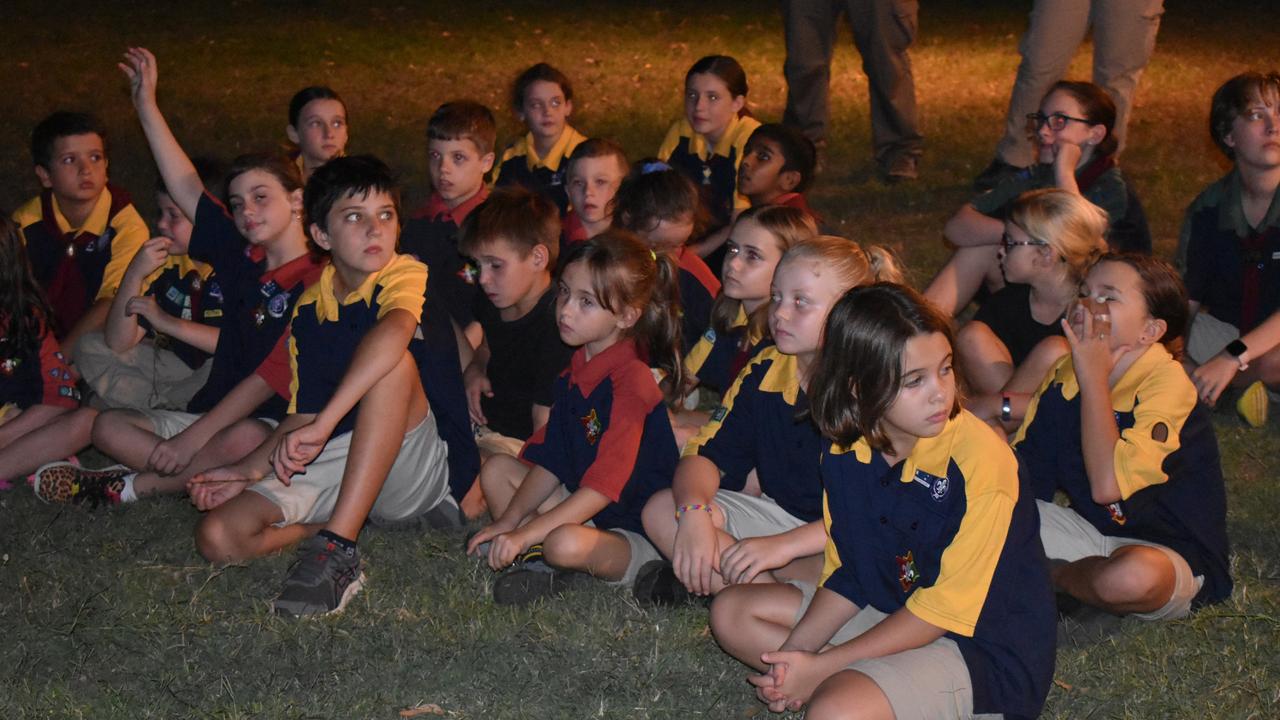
(292, 135)
(43, 175)
(739, 102)
(1097, 133)
(487, 162)
(1229, 140)
(628, 318)
(790, 180)
(320, 237)
(1152, 331)
(295, 202)
(568, 108)
(541, 256)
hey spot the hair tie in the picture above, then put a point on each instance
(653, 167)
(653, 255)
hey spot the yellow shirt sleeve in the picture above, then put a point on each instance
(669, 143)
(1165, 397)
(403, 286)
(130, 233)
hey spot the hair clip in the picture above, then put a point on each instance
(653, 167)
(653, 255)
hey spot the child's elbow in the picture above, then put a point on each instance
(1106, 495)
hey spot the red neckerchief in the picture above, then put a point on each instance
(1090, 173)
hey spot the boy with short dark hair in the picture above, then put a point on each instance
(597, 168)
(350, 360)
(1229, 251)
(514, 237)
(777, 167)
(80, 232)
(460, 138)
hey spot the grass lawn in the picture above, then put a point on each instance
(113, 615)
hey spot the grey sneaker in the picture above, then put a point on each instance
(322, 581)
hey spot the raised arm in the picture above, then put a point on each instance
(180, 176)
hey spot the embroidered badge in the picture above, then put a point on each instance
(710, 335)
(53, 373)
(195, 283)
(557, 178)
(706, 174)
(9, 365)
(469, 273)
(907, 573)
(277, 305)
(591, 422)
(1117, 513)
(259, 317)
(940, 488)
(58, 354)
(718, 414)
(214, 291)
(66, 375)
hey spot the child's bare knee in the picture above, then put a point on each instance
(729, 609)
(1141, 576)
(568, 545)
(214, 539)
(500, 472)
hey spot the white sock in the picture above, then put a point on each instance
(127, 493)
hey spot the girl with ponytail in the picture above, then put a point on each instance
(571, 503)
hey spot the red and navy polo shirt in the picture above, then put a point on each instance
(36, 375)
(520, 165)
(257, 303)
(608, 431)
(951, 533)
(431, 236)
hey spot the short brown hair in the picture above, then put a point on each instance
(1234, 97)
(597, 148)
(464, 120)
(1164, 294)
(521, 217)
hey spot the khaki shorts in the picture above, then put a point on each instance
(1066, 535)
(417, 482)
(927, 682)
(748, 516)
(642, 551)
(170, 423)
(1208, 336)
(144, 376)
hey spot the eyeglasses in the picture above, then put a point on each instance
(1056, 121)
(1007, 242)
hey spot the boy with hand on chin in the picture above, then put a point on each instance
(350, 365)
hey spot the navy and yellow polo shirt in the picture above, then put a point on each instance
(698, 289)
(759, 427)
(520, 165)
(952, 534)
(37, 375)
(431, 236)
(713, 170)
(185, 289)
(77, 266)
(717, 358)
(1166, 463)
(257, 303)
(1231, 268)
(326, 330)
(608, 431)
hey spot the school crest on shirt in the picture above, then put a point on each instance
(937, 486)
(907, 572)
(277, 305)
(591, 422)
(469, 273)
(9, 365)
(1117, 513)
(719, 413)
(710, 335)
(215, 291)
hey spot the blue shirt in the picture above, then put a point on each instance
(951, 533)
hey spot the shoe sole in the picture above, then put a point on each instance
(62, 475)
(352, 590)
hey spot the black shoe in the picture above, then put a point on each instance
(531, 578)
(994, 174)
(904, 167)
(657, 585)
(322, 580)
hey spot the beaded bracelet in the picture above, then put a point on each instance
(680, 511)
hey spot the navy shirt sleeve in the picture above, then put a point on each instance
(214, 238)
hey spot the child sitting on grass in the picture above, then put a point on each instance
(80, 232)
(317, 127)
(1230, 251)
(542, 98)
(460, 137)
(934, 600)
(1051, 238)
(1117, 426)
(746, 499)
(350, 367)
(596, 171)
(707, 144)
(661, 206)
(37, 386)
(571, 503)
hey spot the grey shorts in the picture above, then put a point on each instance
(1208, 336)
(416, 483)
(169, 423)
(1066, 535)
(642, 551)
(748, 516)
(927, 682)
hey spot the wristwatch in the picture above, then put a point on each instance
(1237, 349)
